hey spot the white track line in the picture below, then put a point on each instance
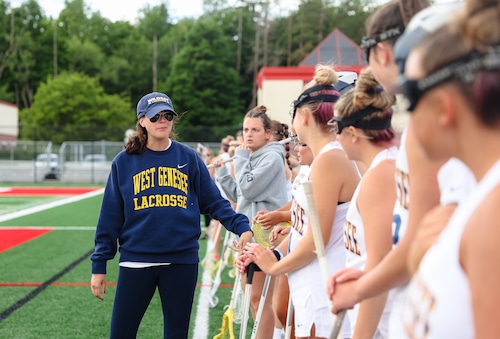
(49, 205)
(203, 307)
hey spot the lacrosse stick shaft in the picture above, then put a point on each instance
(228, 316)
(320, 248)
(246, 304)
(222, 264)
(337, 326)
(262, 302)
(289, 319)
(281, 142)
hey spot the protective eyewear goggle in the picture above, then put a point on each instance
(296, 141)
(463, 69)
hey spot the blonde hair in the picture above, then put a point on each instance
(323, 75)
(368, 92)
(322, 111)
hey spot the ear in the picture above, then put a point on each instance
(384, 53)
(354, 134)
(447, 107)
(305, 116)
(268, 134)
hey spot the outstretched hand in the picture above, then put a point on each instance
(245, 238)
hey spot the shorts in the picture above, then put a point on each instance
(306, 316)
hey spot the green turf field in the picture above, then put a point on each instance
(44, 284)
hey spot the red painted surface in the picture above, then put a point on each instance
(12, 237)
(39, 191)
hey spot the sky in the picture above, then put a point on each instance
(123, 9)
(129, 9)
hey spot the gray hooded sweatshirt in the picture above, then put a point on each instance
(260, 179)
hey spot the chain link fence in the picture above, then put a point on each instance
(82, 154)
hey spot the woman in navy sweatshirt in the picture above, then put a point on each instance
(151, 209)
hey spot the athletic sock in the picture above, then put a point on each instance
(278, 333)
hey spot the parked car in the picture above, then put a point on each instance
(49, 165)
(95, 158)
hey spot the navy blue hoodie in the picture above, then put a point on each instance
(151, 208)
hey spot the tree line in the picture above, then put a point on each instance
(81, 69)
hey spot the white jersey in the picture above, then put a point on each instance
(456, 181)
(289, 185)
(306, 282)
(355, 243)
(439, 300)
(399, 226)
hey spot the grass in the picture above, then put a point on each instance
(71, 311)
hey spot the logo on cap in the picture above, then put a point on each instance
(158, 99)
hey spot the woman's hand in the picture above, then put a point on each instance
(98, 284)
(278, 233)
(264, 258)
(268, 219)
(245, 238)
(242, 261)
(217, 162)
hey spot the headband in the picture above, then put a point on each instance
(464, 68)
(356, 120)
(306, 96)
(369, 42)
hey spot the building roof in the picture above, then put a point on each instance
(336, 49)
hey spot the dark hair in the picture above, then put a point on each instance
(136, 143)
(260, 112)
(279, 131)
(476, 29)
(394, 14)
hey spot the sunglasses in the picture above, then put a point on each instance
(168, 115)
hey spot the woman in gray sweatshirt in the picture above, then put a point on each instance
(259, 184)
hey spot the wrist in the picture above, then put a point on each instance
(278, 254)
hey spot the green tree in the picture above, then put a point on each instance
(75, 106)
(203, 79)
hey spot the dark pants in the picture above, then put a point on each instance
(136, 287)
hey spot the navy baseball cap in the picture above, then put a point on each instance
(424, 22)
(154, 103)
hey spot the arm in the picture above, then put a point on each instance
(106, 235)
(268, 219)
(255, 181)
(327, 179)
(393, 270)
(110, 221)
(211, 201)
(424, 195)
(227, 183)
(375, 202)
(428, 231)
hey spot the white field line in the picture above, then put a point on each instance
(53, 228)
(203, 307)
(49, 205)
